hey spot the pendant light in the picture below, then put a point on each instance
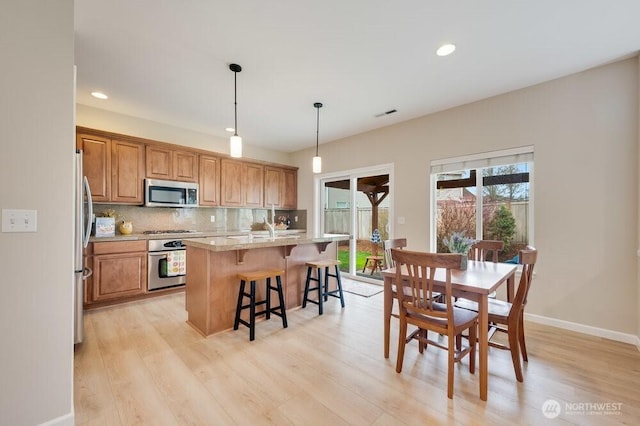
(235, 141)
(317, 161)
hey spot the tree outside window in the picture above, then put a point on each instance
(502, 207)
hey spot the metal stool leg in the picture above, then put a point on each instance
(236, 322)
(281, 297)
(268, 299)
(339, 286)
(252, 312)
(306, 288)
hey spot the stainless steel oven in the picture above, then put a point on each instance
(167, 264)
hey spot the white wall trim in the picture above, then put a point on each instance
(586, 329)
(66, 420)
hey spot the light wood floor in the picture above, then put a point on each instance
(142, 364)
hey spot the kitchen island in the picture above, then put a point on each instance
(213, 264)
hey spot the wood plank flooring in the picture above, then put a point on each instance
(141, 364)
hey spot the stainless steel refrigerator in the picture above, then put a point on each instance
(83, 221)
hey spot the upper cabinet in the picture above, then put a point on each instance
(241, 184)
(170, 164)
(280, 187)
(114, 169)
(290, 189)
(96, 164)
(231, 183)
(127, 172)
(116, 166)
(209, 180)
(253, 182)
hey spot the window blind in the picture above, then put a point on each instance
(482, 160)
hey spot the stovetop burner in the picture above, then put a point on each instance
(170, 231)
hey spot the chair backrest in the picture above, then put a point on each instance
(527, 258)
(421, 269)
(398, 243)
(486, 250)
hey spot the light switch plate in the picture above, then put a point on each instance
(19, 220)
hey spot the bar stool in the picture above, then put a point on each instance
(323, 293)
(252, 277)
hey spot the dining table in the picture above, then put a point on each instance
(480, 279)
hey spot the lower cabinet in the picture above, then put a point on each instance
(119, 270)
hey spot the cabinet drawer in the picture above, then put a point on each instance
(109, 247)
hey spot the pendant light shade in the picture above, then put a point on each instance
(317, 160)
(235, 142)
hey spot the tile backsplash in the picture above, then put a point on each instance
(226, 219)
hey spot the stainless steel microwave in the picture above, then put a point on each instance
(169, 193)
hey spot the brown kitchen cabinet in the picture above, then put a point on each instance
(170, 164)
(114, 169)
(253, 181)
(127, 172)
(96, 162)
(209, 181)
(280, 187)
(241, 184)
(119, 270)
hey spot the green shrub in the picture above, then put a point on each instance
(503, 226)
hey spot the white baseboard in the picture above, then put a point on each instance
(586, 329)
(66, 420)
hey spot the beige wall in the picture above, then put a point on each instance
(584, 129)
(36, 172)
(101, 119)
(638, 246)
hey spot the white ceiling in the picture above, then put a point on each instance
(168, 60)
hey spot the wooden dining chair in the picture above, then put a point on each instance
(418, 308)
(508, 317)
(398, 243)
(486, 250)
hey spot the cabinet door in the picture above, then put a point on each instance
(231, 183)
(185, 166)
(209, 180)
(290, 192)
(96, 159)
(273, 186)
(253, 185)
(159, 163)
(127, 172)
(119, 275)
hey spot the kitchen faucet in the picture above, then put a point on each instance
(271, 227)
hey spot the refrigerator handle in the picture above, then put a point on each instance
(87, 232)
(86, 273)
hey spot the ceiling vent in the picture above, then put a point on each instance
(391, 111)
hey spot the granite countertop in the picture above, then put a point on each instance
(245, 242)
(197, 234)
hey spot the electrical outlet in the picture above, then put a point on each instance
(295, 218)
(400, 220)
(19, 220)
(213, 218)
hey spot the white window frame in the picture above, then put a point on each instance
(517, 155)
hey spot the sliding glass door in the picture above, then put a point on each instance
(357, 202)
(337, 216)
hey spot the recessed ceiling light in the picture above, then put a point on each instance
(230, 129)
(99, 95)
(446, 49)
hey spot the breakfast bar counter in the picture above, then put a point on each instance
(213, 264)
